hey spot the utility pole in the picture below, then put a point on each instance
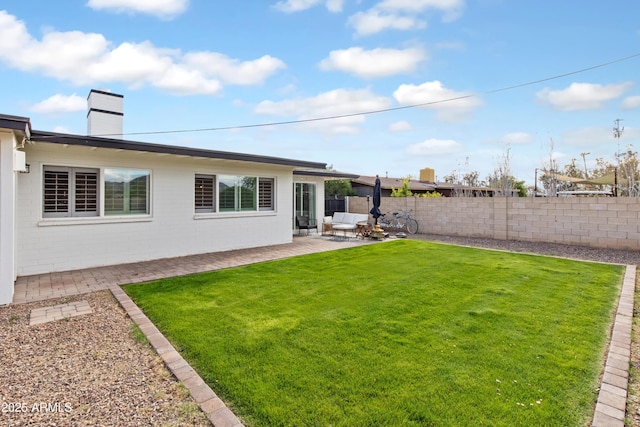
(585, 164)
(617, 132)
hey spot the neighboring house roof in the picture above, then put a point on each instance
(389, 183)
(416, 186)
(452, 186)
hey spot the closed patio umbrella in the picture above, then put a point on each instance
(375, 210)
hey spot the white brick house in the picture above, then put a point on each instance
(69, 201)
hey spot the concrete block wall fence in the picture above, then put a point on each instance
(602, 222)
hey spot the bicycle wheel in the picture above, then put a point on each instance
(412, 226)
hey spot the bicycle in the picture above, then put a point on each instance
(400, 220)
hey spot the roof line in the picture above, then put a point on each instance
(325, 173)
(119, 144)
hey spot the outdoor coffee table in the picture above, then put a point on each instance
(344, 228)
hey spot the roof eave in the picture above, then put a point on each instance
(16, 123)
(325, 173)
(119, 144)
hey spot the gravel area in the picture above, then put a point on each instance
(626, 257)
(91, 370)
(88, 370)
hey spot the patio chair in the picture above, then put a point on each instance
(304, 223)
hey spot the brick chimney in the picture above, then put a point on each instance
(427, 175)
(105, 115)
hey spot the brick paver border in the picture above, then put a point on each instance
(612, 398)
(215, 409)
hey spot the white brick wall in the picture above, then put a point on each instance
(170, 231)
(7, 216)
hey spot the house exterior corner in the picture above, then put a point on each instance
(81, 201)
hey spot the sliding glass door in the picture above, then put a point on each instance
(305, 203)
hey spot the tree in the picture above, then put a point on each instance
(470, 179)
(338, 187)
(573, 171)
(625, 167)
(403, 191)
(451, 178)
(501, 180)
(628, 171)
(521, 187)
(549, 172)
(430, 195)
(628, 175)
(463, 184)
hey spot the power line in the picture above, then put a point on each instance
(385, 110)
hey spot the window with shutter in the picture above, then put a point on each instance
(86, 186)
(265, 194)
(56, 192)
(70, 192)
(204, 193)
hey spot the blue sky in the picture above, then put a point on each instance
(202, 64)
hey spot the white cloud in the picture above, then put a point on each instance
(451, 106)
(517, 138)
(373, 21)
(373, 63)
(165, 9)
(593, 137)
(451, 45)
(335, 5)
(61, 104)
(632, 134)
(134, 63)
(582, 96)
(451, 8)
(631, 102)
(233, 71)
(435, 147)
(402, 15)
(61, 129)
(292, 6)
(180, 80)
(339, 102)
(90, 59)
(401, 126)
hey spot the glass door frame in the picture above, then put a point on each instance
(305, 200)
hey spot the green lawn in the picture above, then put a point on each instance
(405, 333)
